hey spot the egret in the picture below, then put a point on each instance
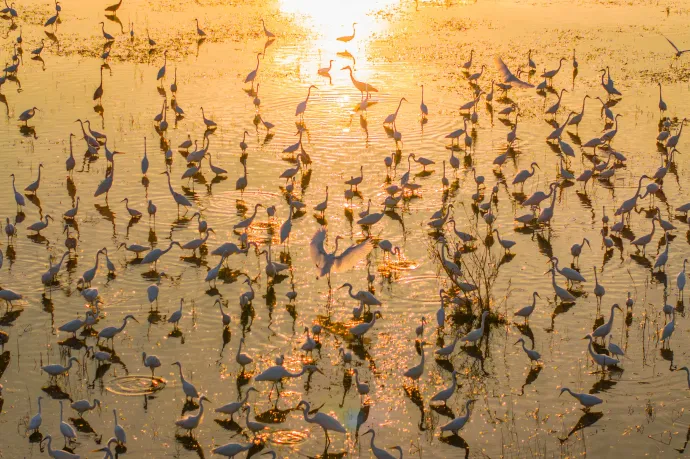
(56, 369)
(447, 350)
(327, 262)
(119, 431)
(37, 419)
(18, 198)
(458, 423)
(533, 355)
(680, 280)
(277, 373)
(154, 255)
(552, 110)
(536, 198)
(192, 421)
(26, 115)
(161, 71)
(347, 38)
(210, 124)
(687, 371)
(527, 311)
(188, 388)
(552, 73)
(253, 426)
(601, 360)
(302, 106)
(109, 333)
(135, 248)
(505, 243)
(39, 225)
(672, 141)
(232, 408)
(508, 76)
(107, 183)
(445, 394)
(576, 249)
(361, 86)
(199, 32)
(390, 119)
(378, 452)
(231, 449)
(422, 106)
(358, 331)
(614, 349)
(325, 421)
(241, 358)
(106, 35)
(176, 316)
(561, 293)
(33, 187)
(585, 400)
(57, 453)
(570, 274)
(82, 406)
(475, 335)
(252, 75)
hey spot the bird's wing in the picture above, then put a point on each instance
(508, 76)
(352, 255)
(671, 43)
(316, 249)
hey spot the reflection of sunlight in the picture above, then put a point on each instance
(332, 19)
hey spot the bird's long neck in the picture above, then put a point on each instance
(306, 413)
(201, 409)
(611, 316)
(337, 239)
(373, 436)
(61, 406)
(257, 62)
(39, 406)
(239, 348)
(245, 399)
(92, 405)
(583, 105)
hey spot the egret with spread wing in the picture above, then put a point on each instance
(508, 76)
(678, 51)
(329, 261)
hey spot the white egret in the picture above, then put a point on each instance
(325, 421)
(605, 329)
(561, 293)
(234, 407)
(302, 106)
(585, 400)
(252, 75)
(662, 259)
(109, 333)
(601, 360)
(447, 350)
(458, 423)
(527, 311)
(277, 373)
(231, 449)
(176, 316)
(358, 331)
(241, 358)
(82, 406)
(192, 421)
(533, 355)
(56, 369)
(505, 243)
(614, 349)
(154, 255)
(475, 335)
(57, 453)
(199, 32)
(416, 372)
(680, 280)
(569, 273)
(327, 262)
(37, 419)
(246, 223)
(378, 452)
(188, 388)
(508, 76)
(361, 86)
(33, 187)
(119, 431)
(254, 426)
(180, 199)
(39, 225)
(135, 248)
(445, 394)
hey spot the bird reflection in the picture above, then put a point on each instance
(587, 420)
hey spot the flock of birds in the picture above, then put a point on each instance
(539, 209)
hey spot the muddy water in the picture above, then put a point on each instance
(397, 47)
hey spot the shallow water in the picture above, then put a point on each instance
(398, 47)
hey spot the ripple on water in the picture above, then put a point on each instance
(288, 437)
(132, 385)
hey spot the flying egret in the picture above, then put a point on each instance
(508, 76)
(327, 262)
